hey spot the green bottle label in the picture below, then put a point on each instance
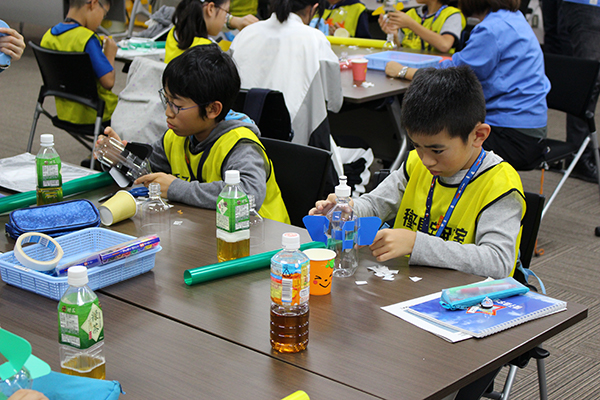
(48, 172)
(80, 326)
(233, 214)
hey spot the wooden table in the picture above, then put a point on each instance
(352, 341)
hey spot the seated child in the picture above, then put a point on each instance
(435, 25)
(77, 34)
(195, 20)
(443, 112)
(191, 158)
(351, 15)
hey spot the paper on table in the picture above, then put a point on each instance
(19, 174)
(399, 310)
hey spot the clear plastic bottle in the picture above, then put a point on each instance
(342, 238)
(49, 177)
(257, 226)
(389, 42)
(112, 153)
(233, 224)
(20, 380)
(156, 214)
(81, 328)
(290, 275)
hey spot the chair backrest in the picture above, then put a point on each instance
(531, 225)
(300, 171)
(572, 81)
(69, 73)
(267, 108)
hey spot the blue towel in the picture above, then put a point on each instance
(57, 386)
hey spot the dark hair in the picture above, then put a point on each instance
(447, 98)
(203, 74)
(471, 7)
(283, 8)
(188, 19)
(81, 3)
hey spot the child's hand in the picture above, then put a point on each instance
(110, 48)
(27, 394)
(399, 20)
(12, 44)
(392, 243)
(393, 68)
(385, 25)
(322, 207)
(110, 132)
(242, 22)
(163, 179)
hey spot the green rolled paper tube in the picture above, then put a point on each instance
(83, 184)
(237, 266)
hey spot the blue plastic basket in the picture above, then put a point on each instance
(76, 245)
(413, 60)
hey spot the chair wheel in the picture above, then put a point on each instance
(597, 231)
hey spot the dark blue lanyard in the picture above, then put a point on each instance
(461, 188)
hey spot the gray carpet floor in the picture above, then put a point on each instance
(569, 267)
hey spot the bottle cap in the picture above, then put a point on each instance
(290, 241)
(232, 177)
(342, 190)
(77, 276)
(47, 139)
(154, 189)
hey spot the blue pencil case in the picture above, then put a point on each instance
(54, 219)
(462, 297)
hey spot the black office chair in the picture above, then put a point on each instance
(572, 81)
(531, 224)
(69, 76)
(267, 108)
(300, 171)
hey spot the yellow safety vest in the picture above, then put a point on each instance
(171, 49)
(350, 21)
(485, 189)
(241, 8)
(177, 150)
(413, 41)
(74, 40)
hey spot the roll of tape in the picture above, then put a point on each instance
(44, 240)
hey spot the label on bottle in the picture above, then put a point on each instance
(80, 326)
(49, 172)
(290, 283)
(233, 214)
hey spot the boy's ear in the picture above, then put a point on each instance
(482, 131)
(214, 109)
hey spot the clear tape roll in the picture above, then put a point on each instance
(43, 240)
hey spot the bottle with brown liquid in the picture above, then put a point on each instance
(81, 328)
(233, 220)
(290, 275)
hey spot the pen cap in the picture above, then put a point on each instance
(77, 276)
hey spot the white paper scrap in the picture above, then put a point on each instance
(415, 278)
(360, 283)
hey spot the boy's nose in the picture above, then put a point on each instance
(428, 161)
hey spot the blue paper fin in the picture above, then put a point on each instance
(317, 226)
(367, 229)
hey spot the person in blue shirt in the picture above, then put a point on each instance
(507, 58)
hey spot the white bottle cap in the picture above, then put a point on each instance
(77, 276)
(290, 241)
(342, 190)
(232, 177)
(47, 139)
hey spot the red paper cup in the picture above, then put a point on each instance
(359, 69)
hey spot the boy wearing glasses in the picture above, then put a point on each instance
(199, 88)
(77, 34)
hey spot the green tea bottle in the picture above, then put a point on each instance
(49, 178)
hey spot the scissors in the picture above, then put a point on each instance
(141, 191)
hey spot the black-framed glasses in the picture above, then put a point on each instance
(173, 107)
(221, 8)
(103, 8)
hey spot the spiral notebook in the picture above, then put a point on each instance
(480, 322)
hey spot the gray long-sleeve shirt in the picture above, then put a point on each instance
(492, 254)
(246, 157)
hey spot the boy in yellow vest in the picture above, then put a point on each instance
(433, 26)
(348, 14)
(456, 205)
(77, 34)
(190, 160)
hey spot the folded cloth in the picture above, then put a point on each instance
(57, 386)
(54, 219)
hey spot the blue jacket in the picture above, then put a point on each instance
(508, 60)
